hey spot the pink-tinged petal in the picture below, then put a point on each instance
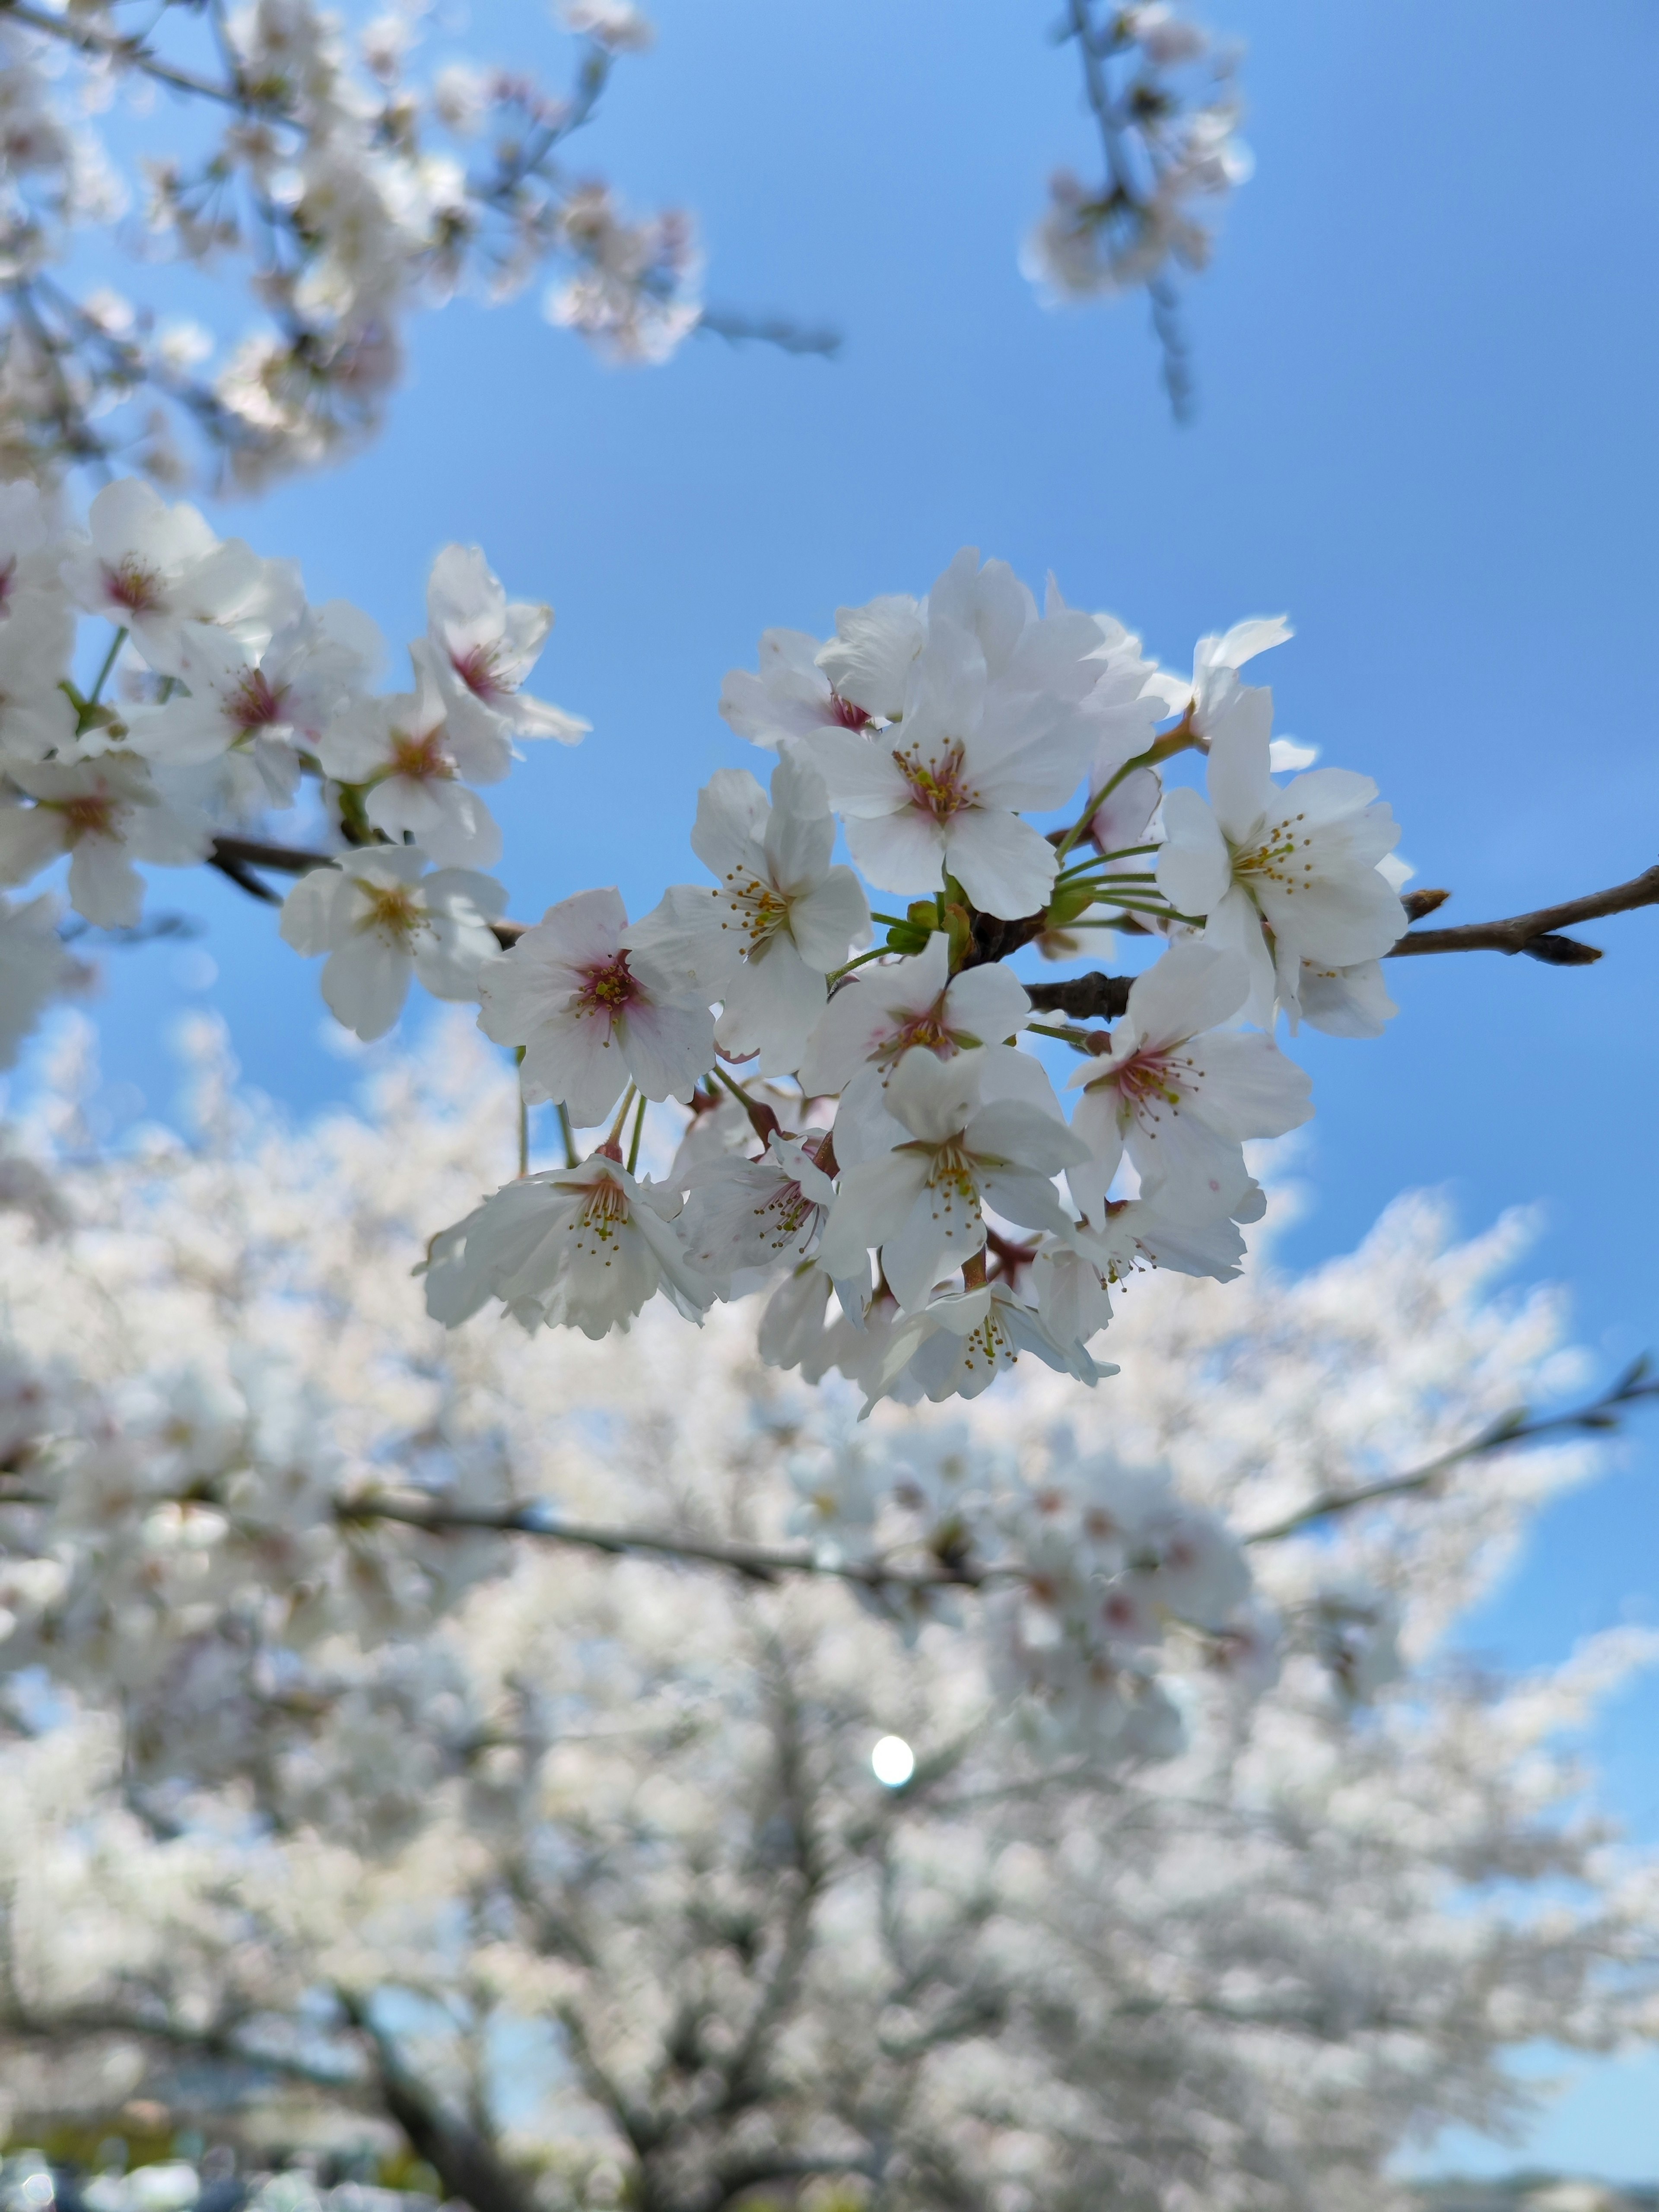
(1241, 788)
(667, 1047)
(902, 852)
(866, 1013)
(828, 921)
(1006, 866)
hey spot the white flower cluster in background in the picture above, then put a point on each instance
(344, 193)
(871, 1123)
(1104, 1868)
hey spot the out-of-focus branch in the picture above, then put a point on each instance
(761, 1562)
(1635, 1386)
(468, 2165)
(132, 53)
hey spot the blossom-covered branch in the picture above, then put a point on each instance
(350, 194)
(869, 1121)
(1166, 112)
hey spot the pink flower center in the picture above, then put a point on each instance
(134, 584)
(927, 1030)
(477, 669)
(843, 711)
(254, 704)
(1150, 1080)
(608, 989)
(937, 787)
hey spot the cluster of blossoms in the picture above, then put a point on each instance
(893, 1143)
(869, 1121)
(228, 696)
(352, 195)
(1165, 105)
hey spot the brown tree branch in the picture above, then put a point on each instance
(1536, 933)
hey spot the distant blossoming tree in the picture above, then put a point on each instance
(615, 1775)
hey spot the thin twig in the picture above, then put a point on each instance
(1520, 1427)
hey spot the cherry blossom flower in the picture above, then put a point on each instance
(265, 705)
(591, 1016)
(764, 940)
(870, 657)
(742, 1213)
(152, 568)
(921, 1203)
(1301, 859)
(105, 814)
(914, 1003)
(790, 697)
(1180, 1093)
(384, 920)
(480, 650)
(575, 1248)
(990, 725)
(1215, 662)
(959, 1343)
(398, 748)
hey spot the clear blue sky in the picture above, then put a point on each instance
(1426, 359)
